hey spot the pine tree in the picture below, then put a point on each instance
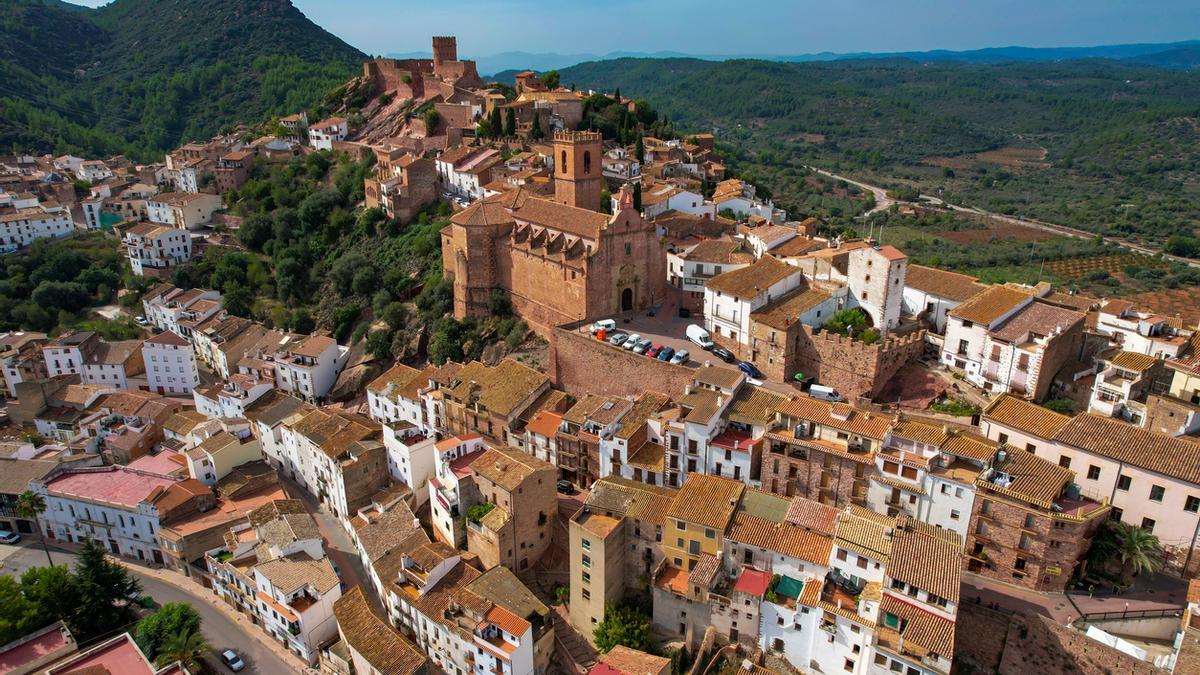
(510, 124)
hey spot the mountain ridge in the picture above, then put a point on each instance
(141, 76)
(498, 64)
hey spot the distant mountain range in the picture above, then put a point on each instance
(1177, 55)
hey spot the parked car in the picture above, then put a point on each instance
(681, 356)
(618, 339)
(699, 336)
(565, 486)
(653, 351)
(666, 354)
(723, 354)
(7, 537)
(685, 313)
(231, 660)
(632, 341)
(141, 320)
(749, 369)
(642, 346)
(603, 324)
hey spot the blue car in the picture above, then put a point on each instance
(666, 354)
(749, 369)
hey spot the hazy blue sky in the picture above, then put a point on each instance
(487, 27)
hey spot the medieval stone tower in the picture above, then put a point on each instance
(578, 169)
(445, 49)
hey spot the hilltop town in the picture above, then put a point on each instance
(723, 437)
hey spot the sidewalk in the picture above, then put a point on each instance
(200, 593)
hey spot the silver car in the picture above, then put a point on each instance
(681, 356)
(618, 339)
(642, 346)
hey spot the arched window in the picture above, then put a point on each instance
(564, 162)
(587, 161)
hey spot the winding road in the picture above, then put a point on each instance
(883, 202)
(219, 629)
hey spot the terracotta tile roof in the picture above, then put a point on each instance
(1037, 318)
(168, 338)
(991, 304)
(396, 527)
(1133, 361)
(335, 431)
(865, 532)
(499, 389)
(813, 515)
(751, 280)
(434, 603)
(971, 446)
(1033, 479)
(719, 251)
(643, 408)
(707, 500)
(922, 628)
(931, 563)
(508, 467)
(797, 246)
(705, 571)
(546, 213)
(1020, 414)
(545, 424)
(295, 571)
(701, 404)
(373, 637)
(396, 377)
(805, 544)
(891, 253)
(786, 310)
(651, 456)
(626, 661)
(507, 621)
(837, 415)
(753, 531)
(603, 410)
(1178, 457)
(717, 376)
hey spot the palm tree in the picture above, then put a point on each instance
(29, 507)
(186, 648)
(1138, 550)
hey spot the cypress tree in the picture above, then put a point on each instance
(510, 124)
(494, 121)
(637, 197)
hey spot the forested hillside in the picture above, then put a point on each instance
(1097, 144)
(142, 76)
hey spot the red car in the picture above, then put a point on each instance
(654, 350)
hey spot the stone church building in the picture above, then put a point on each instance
(558, 260)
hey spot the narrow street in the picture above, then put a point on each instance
(219, 629)
(338, 545)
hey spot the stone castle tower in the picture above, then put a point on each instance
(578, 169)
(445, 49)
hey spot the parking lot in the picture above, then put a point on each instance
(665, 328)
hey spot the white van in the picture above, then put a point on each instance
(699, 336)
(607, 325)
(825, 393)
